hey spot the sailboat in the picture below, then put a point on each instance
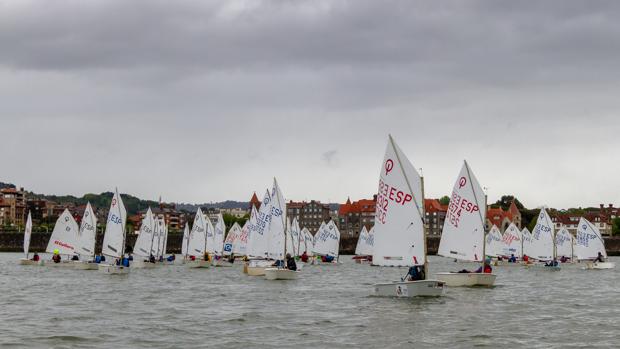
(258, 241)
(400, 237)
(114, 237)
(511, 243)
(526, 241)
(85, 244)
(363, 249)
(463, 235)
(218, 241)
(27, 234)
(493, 242)
(231, 239)
(588, 244)
(542, 246)
(143, 248)
(197, 243)
(327, 241)
(185, 242)
(278, 236)
(62, 241)
(308, 240)
(564, 244)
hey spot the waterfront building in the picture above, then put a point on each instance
(352, 216)
(435, 214)
(502, 219)
(570, 221)
(12, 207)
(310, 215)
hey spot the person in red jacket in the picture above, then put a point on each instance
(304, 257)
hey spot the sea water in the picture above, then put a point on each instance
(329, 306)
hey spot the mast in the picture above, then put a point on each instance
(152, 235)
(122, 225)
(484, 237)
(424, 231)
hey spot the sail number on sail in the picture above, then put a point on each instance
(386, 194)
(459, 204)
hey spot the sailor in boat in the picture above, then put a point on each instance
(231, 259)
(56, 257)
(152, 258)
(192, 258)
(75, 257)
(171, 258)
(36, 257)
(278, 263)
(327, 258)
(512, 259)
(415, 273)
(600, 258)
(290, 262)
(207, 257)
(486, 269)
(526, 259)
(563, 259)
(552, 263)
(304, 257)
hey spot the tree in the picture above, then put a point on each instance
(615, 226)
(445, 200)
(505, 201)
(229, 220)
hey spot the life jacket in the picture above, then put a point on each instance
(488, 269)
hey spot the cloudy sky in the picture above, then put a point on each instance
(202, 101)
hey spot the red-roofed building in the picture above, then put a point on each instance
(352, 216)
(502, 219)
(310, 215)
(254, 202)
(435, 215)
(571, 221)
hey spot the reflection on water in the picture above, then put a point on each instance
(328, 306)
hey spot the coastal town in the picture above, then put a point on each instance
(350, 216)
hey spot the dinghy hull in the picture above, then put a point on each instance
(467, 279)
(142, 264)
(280, 274)
(113, 269)
(25, 261)
(85, 266)
(409, 289)
(198, 264)
(62, 264)
(255, 271)
(222, 263)
(600, 266)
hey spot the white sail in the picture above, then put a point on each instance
(185, 241)
(588, 242)
(211, 248)
(399, 225)
(258, 242)
(277, 226)
(511, 241)
(114, 237)
(85, 243)
(308, 240)
(64, 235)
(494, 242)
(144, 242)
(296, 235)
(220, 231)
(541, 246)
(463, 229)
(156, 237)
(564, 243)
(364, 243)
(526, 238)
(197, 237)
(164, 237)
(241, 247)
(327, 240)
(27, 234)
(232, 239)
(291, 247)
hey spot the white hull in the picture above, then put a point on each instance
(198, 263)
(62, 264)
(222, 263)
(280, 274)
(113, 269)
(142, 264)
(467, 279)
(85, 266)
(407, 289)
(255, 271)
(257, 267)
(25, 261)
(600, 266)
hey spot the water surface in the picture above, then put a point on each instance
(329, 306)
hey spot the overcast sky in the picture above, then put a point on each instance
(201, 101)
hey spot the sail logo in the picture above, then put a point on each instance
(458, 204)
(63, 244)
(115, 219)
(389, 165)
(386, 194)
(462, 182)
(509, 238)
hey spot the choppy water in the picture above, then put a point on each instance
(329, 306)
